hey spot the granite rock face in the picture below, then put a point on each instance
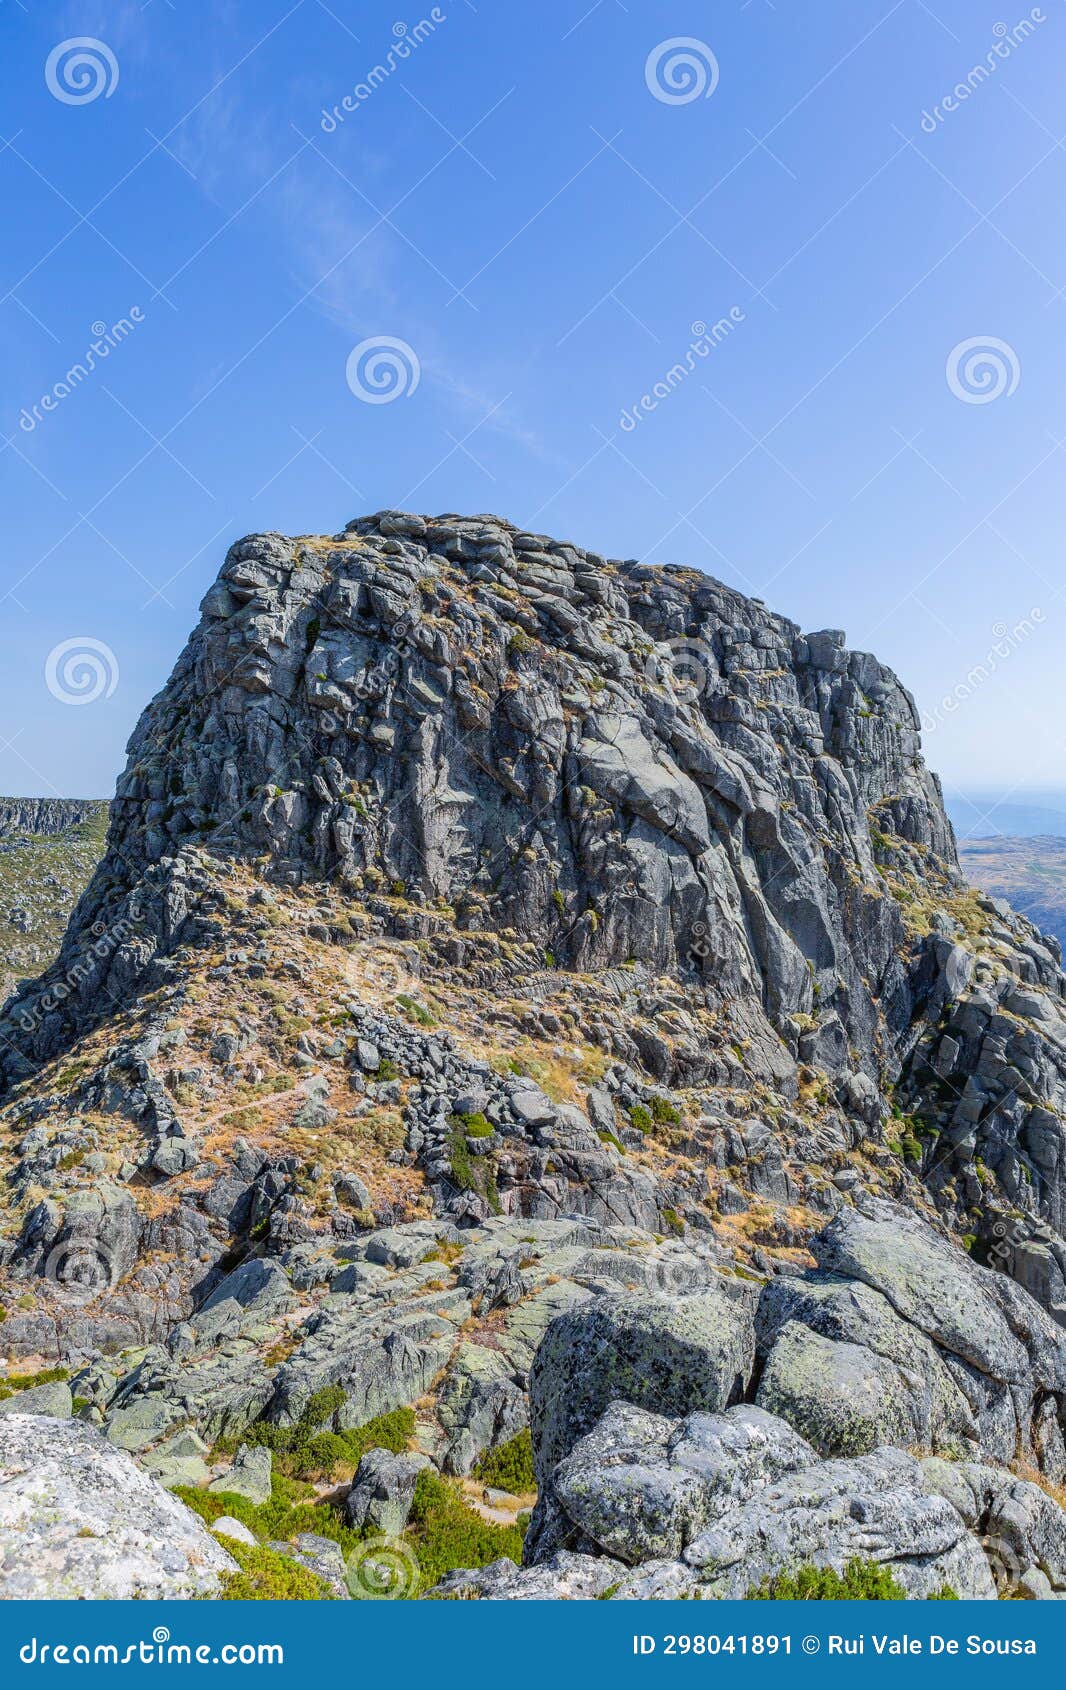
(899, 1337)
(78, 1519)
(538, 989)
(618, 761)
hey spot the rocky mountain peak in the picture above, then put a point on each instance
(507, 962)
(617, 761)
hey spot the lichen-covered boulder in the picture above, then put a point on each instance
(669, 1355)
(250, 1476)
(876, 1508)
(79, 1519)
(383, 1490)
(640, 1487)
(1022, 1529)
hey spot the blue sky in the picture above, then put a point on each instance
(517, 202)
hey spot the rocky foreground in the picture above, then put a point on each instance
(529, 1082)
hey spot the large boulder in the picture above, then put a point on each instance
(78, 1519)
(848, 1373)
(639, 1487)
(899, 1337)
(875, 1508)
(672, 1356)
(383, 1490)
(1022, 1530)
(250, 1476)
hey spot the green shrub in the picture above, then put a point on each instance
(861, 1581)
(662, 1111)
(279, 1520)
(266, 1576)
(640, 1118)
(510, 1467)
(416, 1011)
(474, 1126)
(26, 1381)
(304, 1451)
(472, 1173)
(444, 1533)
(322, 1405)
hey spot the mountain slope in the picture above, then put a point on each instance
(485, 923)
(48, 850)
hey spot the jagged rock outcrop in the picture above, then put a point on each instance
(504, 952)
(614, 762)
(619, 761)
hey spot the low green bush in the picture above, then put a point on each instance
(266, 1576)
(445, 1533)
(281, 1519)
(307, 1450)
(861, 1581)
(510, 1467)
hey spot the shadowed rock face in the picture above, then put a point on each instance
(618, 761)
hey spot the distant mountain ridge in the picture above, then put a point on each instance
(48, 849)
(987, 818)
(50, 816)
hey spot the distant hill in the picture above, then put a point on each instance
(1029, 873)
(48, 850)
(984, 818)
